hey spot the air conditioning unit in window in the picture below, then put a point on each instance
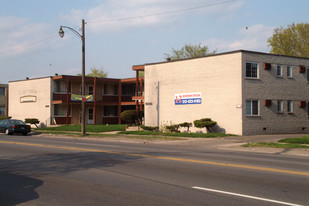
(267, 102)
(302, 104)
(267, 66)
(302, 69)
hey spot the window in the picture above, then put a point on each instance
(289, 71)
(279, 106)
(70, 87)
(115, 89)
(60, 86)
(2, 110)
(252, 107)
(290, 106)
(61, 110)
(110, 111)
(2, 91)
(90, 89)
(252, 70)
(279, 71)
(105, 89)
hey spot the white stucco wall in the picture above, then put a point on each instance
(31, 99)
(269, 86)
(218, 78)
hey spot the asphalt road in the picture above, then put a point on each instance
(66, 171)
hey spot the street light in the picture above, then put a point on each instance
(82, 37)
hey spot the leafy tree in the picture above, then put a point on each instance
(96, 73)
(206, 122)
(189, 51)
(292, 41)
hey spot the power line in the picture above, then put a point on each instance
(160, 14)
(30, 44)
(123, 19)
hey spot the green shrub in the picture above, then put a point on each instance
(32, 121)
(5, 117)
(148, 128)
(173, 128)
(130, 117)
(205, 122)
(187, 125)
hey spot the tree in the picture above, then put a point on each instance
(291, 41)
(189, 51)
(96, 73)
(206, 122)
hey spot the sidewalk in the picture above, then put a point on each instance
(233, 143)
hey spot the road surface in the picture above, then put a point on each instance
(38, 170)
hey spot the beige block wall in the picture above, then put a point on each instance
(218, 78)
(269, 86)
(38, 89)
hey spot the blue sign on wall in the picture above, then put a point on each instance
(188, 98)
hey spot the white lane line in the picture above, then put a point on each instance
(245, 196)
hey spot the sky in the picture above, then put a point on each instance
(123, 33)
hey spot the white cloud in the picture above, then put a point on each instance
(253, 38)
(19, 35)
(105, 16)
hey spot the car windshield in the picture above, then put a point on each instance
(17, 122)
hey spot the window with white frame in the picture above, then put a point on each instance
(252, 70)
(289, 106)
(289, 71)
(279, 106)
(252, 107)
(279, 71)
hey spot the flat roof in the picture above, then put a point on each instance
(141, 66)
(75, 77)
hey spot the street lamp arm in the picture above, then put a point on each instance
(61, 32)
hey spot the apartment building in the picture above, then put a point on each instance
(246, 92)
(57, 99)
(3, 99)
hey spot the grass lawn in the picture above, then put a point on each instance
(301, 140)
(68, 129)
(192, 135)
(89, 128)
(284, 143)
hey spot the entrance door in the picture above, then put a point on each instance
(90, 116)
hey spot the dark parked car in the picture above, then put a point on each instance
(10, 126)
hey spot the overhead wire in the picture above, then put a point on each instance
(160, 14)
(124, 19)
(29, 45)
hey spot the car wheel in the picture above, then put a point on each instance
(25, 133)
(7, 132)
